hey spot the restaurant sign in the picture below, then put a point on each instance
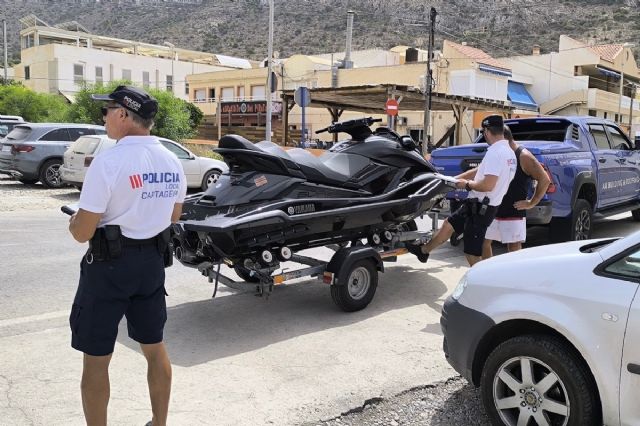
(250, 107)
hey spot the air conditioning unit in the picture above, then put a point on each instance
(401, 121)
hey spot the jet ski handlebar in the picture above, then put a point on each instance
(349, 126)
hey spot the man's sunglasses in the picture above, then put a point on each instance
(105, 109)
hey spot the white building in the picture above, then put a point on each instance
(60, 59)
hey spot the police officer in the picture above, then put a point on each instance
(131, 194)
(486, 185)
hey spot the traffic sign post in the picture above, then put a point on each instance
(302, 97)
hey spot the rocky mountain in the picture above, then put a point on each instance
(239, 27)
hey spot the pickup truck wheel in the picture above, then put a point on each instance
(636, 215)
(50, 174)
(578, 227)
(538, 379)
(357, 286)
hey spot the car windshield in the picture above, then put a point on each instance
(85, 145)
(19, 133)
(530, 130)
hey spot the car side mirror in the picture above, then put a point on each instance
(408, 143)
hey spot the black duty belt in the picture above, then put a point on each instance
(126, 241)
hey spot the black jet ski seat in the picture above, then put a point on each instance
(331, 168)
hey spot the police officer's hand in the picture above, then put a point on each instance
(461, 183)
(523, 205)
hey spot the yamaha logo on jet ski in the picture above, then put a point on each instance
(300, 209)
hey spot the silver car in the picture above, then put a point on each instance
(550, 334)
(201, 172)
(33, 152)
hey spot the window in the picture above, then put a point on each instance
(58, 135)
(597, 130)
(241, 93)
(618, 140)
(27, 72)
(186, 88)
(627, 267)
(99, 78)
(605, 115)
(169, 83)
(182, 154)
(126, 75)
(258, 93)
(212, 93)
(227, 93)
(78, 73)
(79, 131)
(616, 118)
(145, 79)
(593, 113)
(200, 95)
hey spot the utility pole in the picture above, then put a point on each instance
(4, 40)
(633, 95)
(426, 138)
(269, 73)
(626, 53)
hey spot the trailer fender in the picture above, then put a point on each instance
(344, 258)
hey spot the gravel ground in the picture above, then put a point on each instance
(17, 196)
(450, 403)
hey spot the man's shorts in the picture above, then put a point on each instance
(131, 286)
(474, 227)
(508, 230)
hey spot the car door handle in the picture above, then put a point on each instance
(633, 368)
(622, 160)
(602, 160)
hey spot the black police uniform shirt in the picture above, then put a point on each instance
(135, 185)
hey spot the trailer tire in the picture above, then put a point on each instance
(245, 274)
(358, 286)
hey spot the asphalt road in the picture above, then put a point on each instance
(238, 359)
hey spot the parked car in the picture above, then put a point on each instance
(594, 170)
(8, 122)
(201, 172)
(33, 152)
(550, 334)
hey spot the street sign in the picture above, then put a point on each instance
(391, 107)
(302, 97)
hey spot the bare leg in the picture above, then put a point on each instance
(514, 246)
(95, 389)
(472, 259)
(441, 236)
(487, 250)
(159, 379)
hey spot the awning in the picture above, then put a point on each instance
(493, 70)
(608, 73)
(69, 96)
(519, 96)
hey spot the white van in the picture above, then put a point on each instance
(201, 172)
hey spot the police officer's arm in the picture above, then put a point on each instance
(177, 212)
(469, 174)
(486, 184)
(83, 224)
(531, 166)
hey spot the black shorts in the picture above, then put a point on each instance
(473, 226)
(131, 286)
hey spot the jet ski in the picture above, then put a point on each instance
(275, 202)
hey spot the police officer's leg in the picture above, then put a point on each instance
(95, 389)
(474, 233)
(453, 223)
(159, 379)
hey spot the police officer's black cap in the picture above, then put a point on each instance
(133, 99)
(493, 121)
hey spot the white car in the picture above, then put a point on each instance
(551, 334)
(201, 172)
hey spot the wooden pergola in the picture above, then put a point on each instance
(372, 98)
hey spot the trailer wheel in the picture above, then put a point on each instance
(357, 286)
(245, 274)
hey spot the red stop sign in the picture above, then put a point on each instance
(391, 107)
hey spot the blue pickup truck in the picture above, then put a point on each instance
(593, 166)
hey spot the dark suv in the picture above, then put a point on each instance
(34, 152)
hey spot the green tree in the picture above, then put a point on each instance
(16, 99)
(173, 120)
(195, 115)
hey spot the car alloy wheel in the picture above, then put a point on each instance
(526, 388)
